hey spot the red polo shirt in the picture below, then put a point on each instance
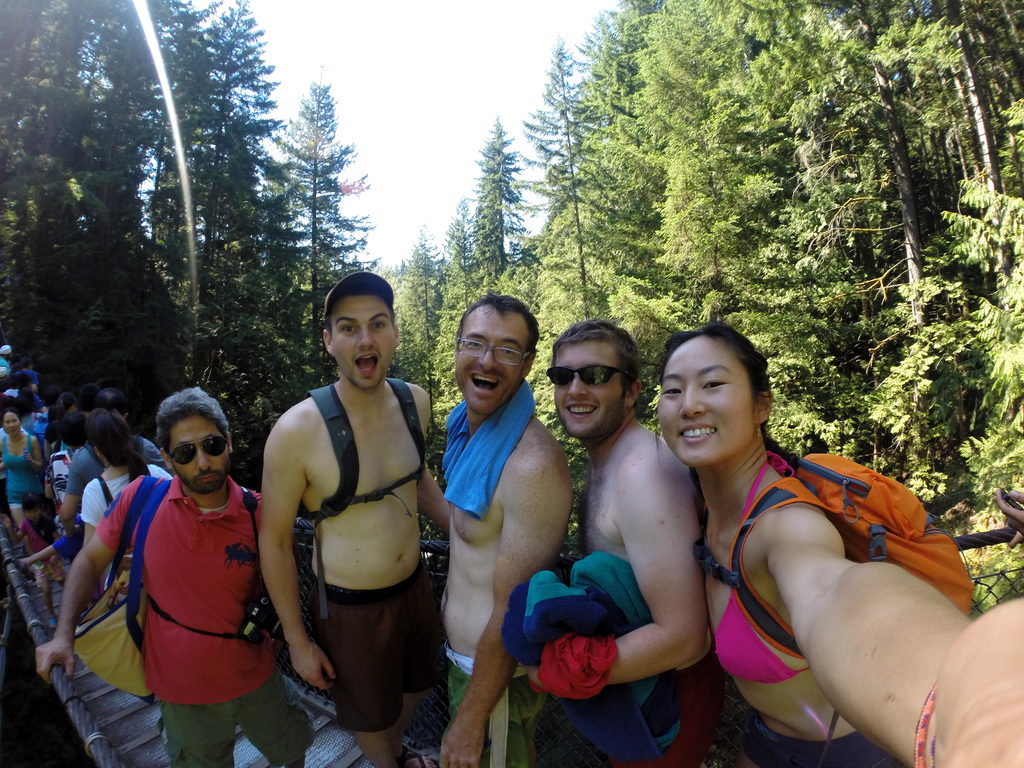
(202, 569)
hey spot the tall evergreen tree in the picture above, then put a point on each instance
(498, 223)
(316, 164)
(555, 135)
(76, 106)
(418, 307)
(458, 257)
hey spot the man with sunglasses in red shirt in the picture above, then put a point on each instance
(640, 505)
(201, 572)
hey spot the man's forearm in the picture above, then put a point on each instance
(78, 588)
(652, 649)
(493, 668)
(281, 579)
(431, 502)
(68, 510)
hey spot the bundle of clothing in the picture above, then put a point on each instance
(569, 632)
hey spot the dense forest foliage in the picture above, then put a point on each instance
(843, 181)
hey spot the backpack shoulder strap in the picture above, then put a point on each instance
(412, 416)
(713, 568)
(412, 420)
(131, 520)
(762, 616)
(340, 431)
(153, 499)
(250, 502)
(107, 495)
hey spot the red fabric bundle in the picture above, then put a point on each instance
(576, 667)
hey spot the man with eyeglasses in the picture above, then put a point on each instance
(375, 627)
(640, 505)
(201, 569)
(506, 507)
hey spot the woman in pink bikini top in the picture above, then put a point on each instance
(873, 636)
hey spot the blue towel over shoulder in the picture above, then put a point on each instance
(472, 465)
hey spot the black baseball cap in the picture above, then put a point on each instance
(360, 284)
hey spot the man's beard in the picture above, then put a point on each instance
(211, 482)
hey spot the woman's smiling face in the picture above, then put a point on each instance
(708, 410)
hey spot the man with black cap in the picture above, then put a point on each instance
(352, 453)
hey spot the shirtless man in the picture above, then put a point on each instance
(516, 534)
(640, 505)
(379, 600)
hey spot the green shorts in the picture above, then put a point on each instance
(203, 735)
(524, 706)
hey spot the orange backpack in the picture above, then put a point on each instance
(878, 520)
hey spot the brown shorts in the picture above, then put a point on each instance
(383, 644)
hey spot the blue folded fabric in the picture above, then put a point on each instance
(630, 721)
(472, 465)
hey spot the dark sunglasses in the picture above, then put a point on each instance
(213, 445)
(591, 375)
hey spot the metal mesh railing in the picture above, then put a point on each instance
(558, 742)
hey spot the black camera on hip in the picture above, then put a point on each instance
(260, 615)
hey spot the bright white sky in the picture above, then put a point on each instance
(418, 86)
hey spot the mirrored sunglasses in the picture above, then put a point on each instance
(213, 445)
(591, 375)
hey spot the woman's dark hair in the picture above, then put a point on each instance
(753, 362)
(87, 396)
(21, 380)
(22, 403)
(110, 435)
(50, 395)
(67, 401)
(71, 429)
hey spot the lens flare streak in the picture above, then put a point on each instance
(149, 31)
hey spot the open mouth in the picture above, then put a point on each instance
(701, 432)
(366, 364)
(484, 382)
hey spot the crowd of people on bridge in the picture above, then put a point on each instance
(639, 643)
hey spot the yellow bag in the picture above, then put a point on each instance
(109, 635)
(104, 642)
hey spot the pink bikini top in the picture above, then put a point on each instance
(740, 649)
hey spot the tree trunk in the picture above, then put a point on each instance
(979, 112)
(901, 164)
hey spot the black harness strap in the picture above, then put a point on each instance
(107, 495)
(345, 452)
(343, 442)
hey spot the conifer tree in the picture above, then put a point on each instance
(418, 307)
(555, 135)
(317, 190)
(498, 223)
